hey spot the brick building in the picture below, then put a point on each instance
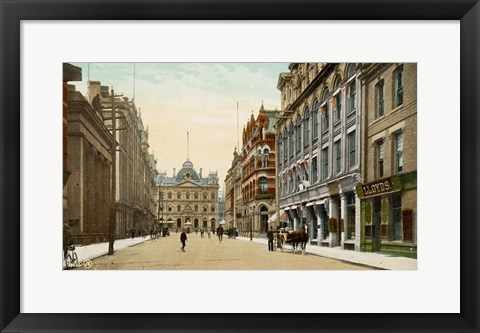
(258, 172)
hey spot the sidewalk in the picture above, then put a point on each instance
(92, 251)
(378, 260)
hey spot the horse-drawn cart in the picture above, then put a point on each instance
(295, 238)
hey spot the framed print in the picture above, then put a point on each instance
(437, 42)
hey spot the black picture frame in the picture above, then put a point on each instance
(12, 12)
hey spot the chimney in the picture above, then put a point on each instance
(200, 172)
(174, 172)
(93, 90)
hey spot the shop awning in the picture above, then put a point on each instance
(273, 218)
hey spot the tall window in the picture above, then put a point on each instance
(325, 163)
(291, 138)
(380, 157)
(352, 146)
(337, 106)
(169, 195)
(325, 118)
(265, 158)
(315, 119)
(299, 135)
(187, 196)
(399, 86)
(196, 195)
(285, 147)
(262, 185)
(399, 152)
(338, 156)
(179, 195)
(380, 100)
(204, 196)
(195, 208)
(306, 128)
(314, 170)
(179, 223)
(179, 208)
(352, 95)
(212, 196)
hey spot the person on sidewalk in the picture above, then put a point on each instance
(183, 239)
(220, 233)
(270, 239)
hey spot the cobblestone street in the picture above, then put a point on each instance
(208, 254)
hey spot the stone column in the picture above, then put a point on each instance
(333, 210)
(343, 215)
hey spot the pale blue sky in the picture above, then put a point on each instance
(200, 98)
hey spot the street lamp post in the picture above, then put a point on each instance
(251, 221)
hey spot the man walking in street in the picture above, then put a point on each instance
(183, 239)
(220, 233)
(270, 239)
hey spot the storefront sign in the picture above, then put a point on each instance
(377, 187)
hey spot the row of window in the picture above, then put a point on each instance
(187, 195)
(195, 208)
(262, 188)
(293, 137)
(397, 152)
(323, 173)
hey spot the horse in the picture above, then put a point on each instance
(300, 239)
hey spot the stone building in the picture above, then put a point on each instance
(135, 203)
(88, 199)
(258, 172)
(319, 151)
(233, 195)
(187, 200)
(388, 188)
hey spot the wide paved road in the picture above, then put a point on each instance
(208, 254)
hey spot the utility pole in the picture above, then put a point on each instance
(113, 150)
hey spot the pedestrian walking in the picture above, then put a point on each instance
(202, 232)
(270, 239)
(208, 231)
(183, 239)
(220, 233)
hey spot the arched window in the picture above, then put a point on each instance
(179, 208)
(179, 223)
(315, 109)
(195, 208)
(169, 195)
(262, 185)
(195, 223)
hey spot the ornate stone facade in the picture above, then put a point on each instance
(319, 150)
(187, 200)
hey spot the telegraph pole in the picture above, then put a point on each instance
(113, 150)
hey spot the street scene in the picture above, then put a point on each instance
(239, 166)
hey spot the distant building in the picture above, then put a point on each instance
(258, 172)
(233, 194)
(187, 200)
